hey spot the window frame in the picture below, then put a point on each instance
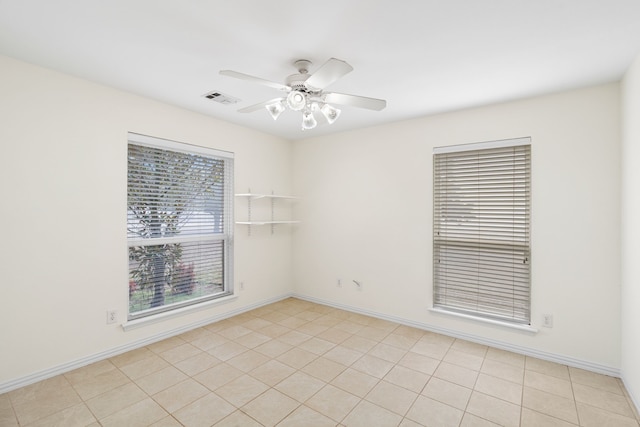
(225, 234)
(454, 225)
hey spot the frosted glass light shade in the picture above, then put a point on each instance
(330, 113)
(275, 109)
(308, 121)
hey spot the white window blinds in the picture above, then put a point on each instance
(179, 224)
(481, 221)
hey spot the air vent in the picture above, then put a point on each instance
(221, 98)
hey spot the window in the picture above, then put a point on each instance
(179, 224)
(481, 217)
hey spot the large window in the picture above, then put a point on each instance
(179, 224)
(481, 217)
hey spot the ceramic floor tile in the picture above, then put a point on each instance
(360, 344)
(238, 419)
(297, 363)
(401, 341)
(317, 346)
(115, 400)
(144, 367)
(305, 416)
(592, 379)
(8, 418)
(602, 399)
(470, 420)
(466, 360)
(248, 360)
(297, 357)
(407, 378)
(448, 393)
(130, 357)
(140, 414)
(502, 389)
(355, 382)
(595, 417)
(270, 407)
(456, 374)
(273, 348)
(532, 418)
(227, 350)
(493, 409)
(343, 355)
(366, 414)
(181, 352)
(392, 397)
(46, 404)
(503, 356)
(180, 395)
(168, 421)
(387, 352)
(198, 363)
(166, 344)
(503, 370)
(242, 390)
(272, 372)
(468, 347)
(429, 412)
(373, 366)
(548, 368)
(207, 342)
(550, 384)
(160, 380)
(218, 376)
(77, 415)
(205, 411)
(420, 363)
(300, 386)
(324, 369)
(333, 402)
(550, 404)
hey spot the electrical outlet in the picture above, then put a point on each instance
(242, 286)
(547, 320)
(112, 316)
(339, 284)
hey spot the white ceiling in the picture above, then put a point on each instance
(422, 56)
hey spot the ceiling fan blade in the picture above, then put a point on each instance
(330, 71)
(256, 107)
(247, 77)
(355, 101)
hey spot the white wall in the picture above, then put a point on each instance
(63, 255)
(366, 213)
(631, 230)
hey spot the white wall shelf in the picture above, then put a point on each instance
(272, 221)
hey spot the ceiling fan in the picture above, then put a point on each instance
(305, 92)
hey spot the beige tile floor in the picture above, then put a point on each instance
(295, 363)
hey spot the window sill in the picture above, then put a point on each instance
(137, 323)
(524, 328)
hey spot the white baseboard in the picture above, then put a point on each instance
(527, 351)
(78, 363)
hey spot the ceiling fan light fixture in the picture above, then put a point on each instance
(308, 121)
(330, 113)
(296, 100)
(275, 109)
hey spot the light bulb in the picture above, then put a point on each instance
(296, 100)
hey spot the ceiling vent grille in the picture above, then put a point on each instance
(221, 98)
